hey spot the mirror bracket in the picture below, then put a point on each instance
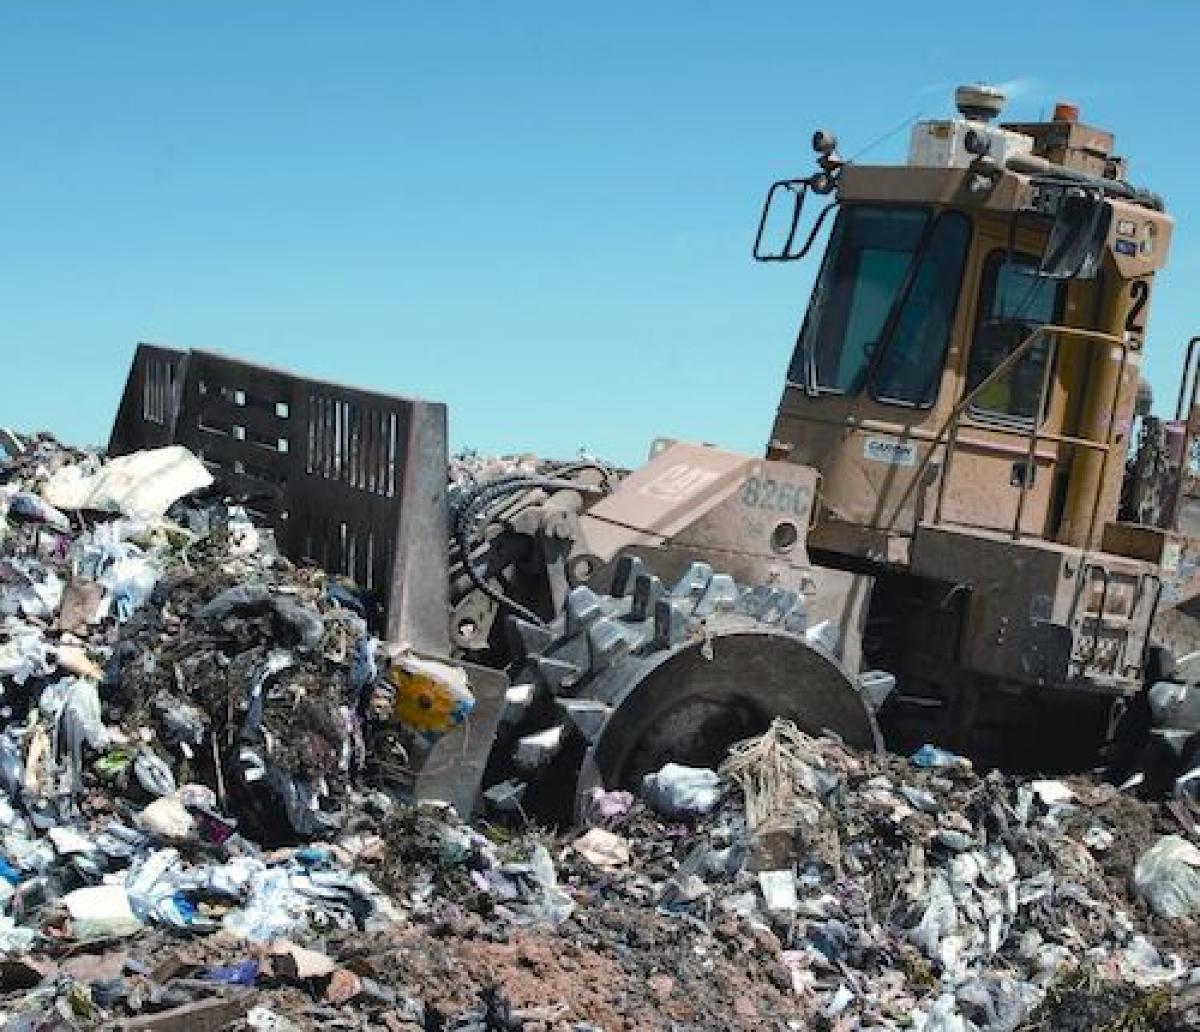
(795, 190)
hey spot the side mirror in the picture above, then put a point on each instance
(779, 238)
(1078, 236)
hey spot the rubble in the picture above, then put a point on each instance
(205, 767)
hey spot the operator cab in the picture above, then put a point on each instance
(970, 355)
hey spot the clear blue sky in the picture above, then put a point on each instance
(539, 213)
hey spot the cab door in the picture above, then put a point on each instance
(988, 465)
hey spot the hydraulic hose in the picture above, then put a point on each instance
(479, 499)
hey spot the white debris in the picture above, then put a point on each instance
(680, 791)
(145, 484)
(603, 848)
(1167, 877)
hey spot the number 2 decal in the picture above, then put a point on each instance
(1139, 291)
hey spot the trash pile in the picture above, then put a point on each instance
(809, 886)
(204, 761)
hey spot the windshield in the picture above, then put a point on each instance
(883, 304)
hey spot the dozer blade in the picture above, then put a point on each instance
(352, 480)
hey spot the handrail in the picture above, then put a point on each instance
(1028, 472)
(948, 432)
(922, 435)
(1189, 373)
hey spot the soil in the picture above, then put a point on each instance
(1082, 1003)
(620, 970)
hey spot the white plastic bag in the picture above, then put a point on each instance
(1167, 877)
(145, 483)
(679, 791)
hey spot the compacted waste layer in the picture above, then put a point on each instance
(204, 824)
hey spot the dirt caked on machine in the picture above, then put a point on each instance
(941, 543)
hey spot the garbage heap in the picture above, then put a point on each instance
(203, 764)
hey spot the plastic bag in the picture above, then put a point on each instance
(605, 806)
(130, 581)
(779, 890)
(15, 938)
(1167, 877)
(29, 589)
(679, 791)
(363, 666)
(145, 483)
(244, 972)
(930, 756)
(167, 818)
(153, 774)
(273, 911)
(152, 879)
(603, 849)
(99, 911)
(81, 698)
(25, 654)
(263, 1019)
(304, 622)
(939, 922)
(28, 506)
(554, 905)
(943, 1017)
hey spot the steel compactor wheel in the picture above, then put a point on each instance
(620, 684)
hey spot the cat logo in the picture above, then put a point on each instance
(679, 482)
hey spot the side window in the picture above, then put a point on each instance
(910, 368)
(1013, 302)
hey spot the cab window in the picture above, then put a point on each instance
(1013, 302)
(909, 370)
(881, 311)
(869, 253)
